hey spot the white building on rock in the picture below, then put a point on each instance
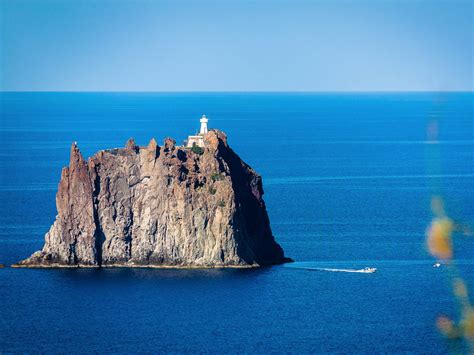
(198, 139)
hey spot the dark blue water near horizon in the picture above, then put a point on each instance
(348, 180)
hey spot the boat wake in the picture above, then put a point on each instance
(367, 270)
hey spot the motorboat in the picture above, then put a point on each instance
(369, 270)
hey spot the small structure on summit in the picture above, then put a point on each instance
(198, 139)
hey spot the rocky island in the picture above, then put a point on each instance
(160, 206)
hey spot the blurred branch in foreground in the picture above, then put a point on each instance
(441, 235)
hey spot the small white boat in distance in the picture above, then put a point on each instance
(369, 270)
(436, 264)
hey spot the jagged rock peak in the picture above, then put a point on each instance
(169, 143)
(152, 145)
(215, 137)
(131, 145)
(152, 209)
(75, 155)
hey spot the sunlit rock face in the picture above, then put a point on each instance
(158, 206)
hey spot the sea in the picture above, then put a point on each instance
(348, 180)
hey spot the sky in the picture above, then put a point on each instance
(231, 45)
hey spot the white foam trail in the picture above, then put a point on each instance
(361, 271)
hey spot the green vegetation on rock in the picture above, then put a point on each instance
(198, 150)
(217, 177)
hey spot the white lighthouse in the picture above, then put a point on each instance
(198, 139)
(203, 121)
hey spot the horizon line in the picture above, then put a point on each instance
(242, 91)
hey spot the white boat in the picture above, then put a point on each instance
(369, 270)
(436, 264)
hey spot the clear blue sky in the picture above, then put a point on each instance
(266, 45)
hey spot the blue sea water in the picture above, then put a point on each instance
(348, 180)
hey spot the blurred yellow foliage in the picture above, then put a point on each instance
(460, 289)
(439, 238)
(468, 324)
(447, 328)
(437, 206)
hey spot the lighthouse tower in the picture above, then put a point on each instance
(198, 139)
(203, 121)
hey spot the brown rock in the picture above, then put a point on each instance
(152, 208)
(169, 144)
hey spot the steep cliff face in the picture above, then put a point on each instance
(159, 206)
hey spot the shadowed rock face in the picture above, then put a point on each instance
(159, 206)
